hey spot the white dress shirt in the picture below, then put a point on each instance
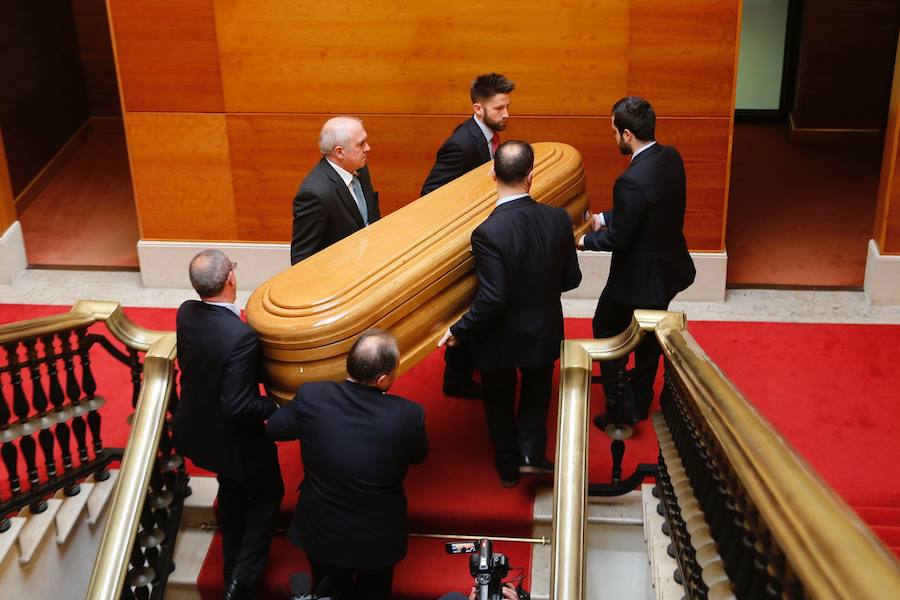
(347, 178)
(227, 305)
(488, 134)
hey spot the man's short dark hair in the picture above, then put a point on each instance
(636, 115)
(373, 354)
(209, 271)
(490, 84)
(513, 161)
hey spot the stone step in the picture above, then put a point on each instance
(198, 507)
(8, 538)
(191, 548)
(100, 495)
(36, 529)
(614, 510)
(662, 566)
(71, 511)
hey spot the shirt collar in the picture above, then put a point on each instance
(487, 131)
(634, 156)
(506, 199)
(230, 306)
(346, 175)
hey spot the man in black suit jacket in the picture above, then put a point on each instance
(471, 144)
(650, 260)
(219, 422)
(524, 259)
(336, 198)
(357, 442)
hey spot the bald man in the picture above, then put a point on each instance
(357, 442)
(336, 198)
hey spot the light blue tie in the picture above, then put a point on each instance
(360, 199)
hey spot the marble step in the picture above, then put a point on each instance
(8, 538)
(71, 510)
(36, 529)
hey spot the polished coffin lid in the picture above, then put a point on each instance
(411, 272)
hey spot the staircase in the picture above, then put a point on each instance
(627, 552)
(61, 542)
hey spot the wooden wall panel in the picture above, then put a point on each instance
(271, 154)
(97, 60)
(167, 55)
(683, 55)
(887, 214)
(703, 144)
(7, 200)
(393, 56)
(181, 171)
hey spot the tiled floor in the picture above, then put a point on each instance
(38, 286)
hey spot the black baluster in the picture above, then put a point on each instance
(93, 419)
(88, 384)
(139, 576)
(57, 399)
(21, 408)
(6, 436)
(134, 362)
(40, 403)
(73, 393)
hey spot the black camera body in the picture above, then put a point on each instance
(487, 567)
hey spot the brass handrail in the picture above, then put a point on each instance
(567, 568)
(149, 418)
(833, 552)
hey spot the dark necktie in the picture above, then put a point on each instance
(360, 199)
(495, 143)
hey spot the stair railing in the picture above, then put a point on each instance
(778, 529)
(53, 398)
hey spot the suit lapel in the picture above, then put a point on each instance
(343, 192)
(480, 141)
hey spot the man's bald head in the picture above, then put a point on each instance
(209, 271)
(374, 354)
(513, 161)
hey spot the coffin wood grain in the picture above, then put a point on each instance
(411, 272)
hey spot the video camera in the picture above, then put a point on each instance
(488, 569)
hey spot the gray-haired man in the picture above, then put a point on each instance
(336, 198)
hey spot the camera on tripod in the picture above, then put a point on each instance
(487, 567)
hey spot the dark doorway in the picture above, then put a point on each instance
(62, 129)
(805, 170)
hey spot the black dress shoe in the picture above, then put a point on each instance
(535, 466)
(509, 475)
(470, 389)
(236, 590)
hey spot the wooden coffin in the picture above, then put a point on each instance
(412, 273)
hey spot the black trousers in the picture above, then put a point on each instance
(353, 584)
(459, 365)
(612, 318)
(523, 434)
(247, 511)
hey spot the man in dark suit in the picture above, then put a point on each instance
(471, 144)
(650, 260)
(357, 442)
(524, 259)
(219, 423)
(336, 198)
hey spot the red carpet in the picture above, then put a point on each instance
(832, 390)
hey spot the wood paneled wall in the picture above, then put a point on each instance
(887, 215)
(224, 99)
(7, 200)
(43, 100)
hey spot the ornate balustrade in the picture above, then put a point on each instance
(411, 272)
(48, 399)
(748, 518)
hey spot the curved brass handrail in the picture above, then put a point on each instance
(567, 563)
(833, 552)
(114, 553)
